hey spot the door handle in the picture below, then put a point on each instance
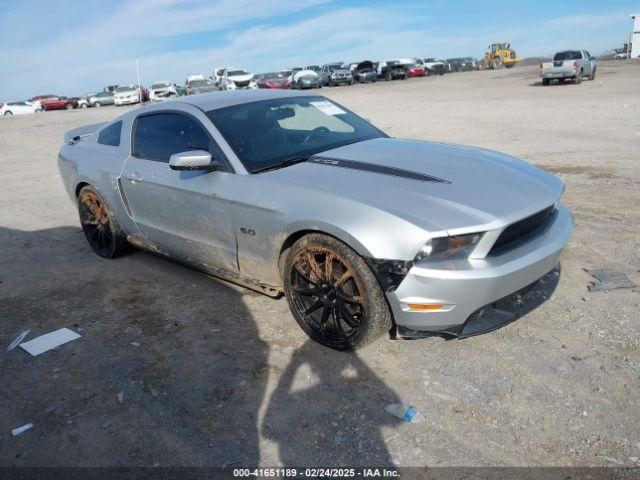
(134, 177)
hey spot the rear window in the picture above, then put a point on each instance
(567, 56)
(110, 135)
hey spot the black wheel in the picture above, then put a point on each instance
(68, 106)
(99, 226)
(97, 104)
(8, 113)
(578, 78)
(84, 105)
(387, 77)
(545, 81)
(333, 294)
(592, 75)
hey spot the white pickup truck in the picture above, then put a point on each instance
(573, 64)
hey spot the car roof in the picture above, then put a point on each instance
(222, 99)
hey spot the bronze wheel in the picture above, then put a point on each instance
(333, 294)
(100, 229)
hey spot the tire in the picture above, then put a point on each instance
(592, 75)
(387, 77)
(545, 82)
(68, 106)
(97, 104)
(84, 105)
(8, 113)
(341, 306)
(578, 78)
(497, 63)
(99, 226)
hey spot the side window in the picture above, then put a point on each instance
(110, 135)
(160, 135)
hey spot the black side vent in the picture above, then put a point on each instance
(525, 228)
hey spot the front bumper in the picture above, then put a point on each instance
(126, 101)
(465, 286)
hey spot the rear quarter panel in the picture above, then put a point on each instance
(87, 161)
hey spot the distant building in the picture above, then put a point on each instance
(635, 36)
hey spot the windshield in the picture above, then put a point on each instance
(567, 56)
(233, 73)
(160, 85)
(125, 89)
(266, 133)
(198, 83)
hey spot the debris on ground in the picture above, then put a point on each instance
(17, 431)
(17, 340)
(49, 341)
(408, 414)
(608, 279)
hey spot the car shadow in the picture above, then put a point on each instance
(332, 404)
(171, 369)
(552, 84)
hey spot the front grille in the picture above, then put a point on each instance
(519, 231)
(242, 84)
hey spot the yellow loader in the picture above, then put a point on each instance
(497, 56)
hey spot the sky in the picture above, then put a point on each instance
(81, 46)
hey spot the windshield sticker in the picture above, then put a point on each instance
(328, 108)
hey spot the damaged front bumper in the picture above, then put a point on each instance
(467, 289)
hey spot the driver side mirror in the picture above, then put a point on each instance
(193, 160)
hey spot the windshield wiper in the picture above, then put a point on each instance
(285, 163)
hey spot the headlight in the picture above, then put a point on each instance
(449, 248)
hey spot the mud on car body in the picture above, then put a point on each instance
(287, 192)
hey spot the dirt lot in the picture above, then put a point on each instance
(176, 368)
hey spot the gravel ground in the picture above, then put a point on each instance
(176, 368)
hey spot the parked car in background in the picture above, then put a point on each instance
(291, 193)
(393, 70)
(195, 84)
(315, 68)
(232, 78)
(303, 79)
(102, 98)
(130, 95)
(416, 70)
(55, 102)
(19, 108)
(81, 102)
(364, 72)
(570, 64)
(162, 91)
(336, 74)
(273, 80)
(463, 64)
(435, 67)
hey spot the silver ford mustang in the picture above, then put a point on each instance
(289, 192)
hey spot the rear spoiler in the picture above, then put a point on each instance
(76, 134)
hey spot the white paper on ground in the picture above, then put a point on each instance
(17, 340)
(17, 431)
(327, 107)
(48, 341)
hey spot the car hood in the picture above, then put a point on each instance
(435, 186)
(125, 94)
(241, 78)
(341, 72)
